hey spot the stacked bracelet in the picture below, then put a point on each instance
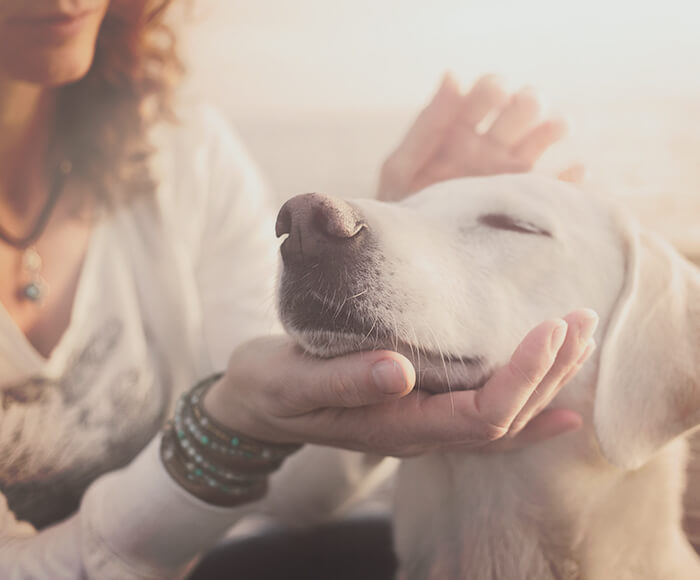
(212, 462)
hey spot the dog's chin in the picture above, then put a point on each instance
(331, 343)
(435, 371)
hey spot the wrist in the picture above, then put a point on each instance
(219, 405)
(228, 409)
(216, 404)
(216, 464)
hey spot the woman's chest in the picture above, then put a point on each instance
(38, 284)
(107, 386)
(59, 433)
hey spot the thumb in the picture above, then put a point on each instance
(354, 380)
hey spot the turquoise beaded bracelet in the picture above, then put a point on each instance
(213, 462)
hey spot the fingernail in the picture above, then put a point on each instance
(587, 326)
(558, 335)
(389, 377)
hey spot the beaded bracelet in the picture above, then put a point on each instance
(203, 486)
(208, 432)
(212, 462)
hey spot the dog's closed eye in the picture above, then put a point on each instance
(502, 221)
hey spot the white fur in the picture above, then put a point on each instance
(602, 503)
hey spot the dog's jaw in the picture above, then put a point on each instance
(329, 317)
(435, 372)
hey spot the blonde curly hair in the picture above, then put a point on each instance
(103, 119)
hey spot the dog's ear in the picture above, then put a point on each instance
(648, 389)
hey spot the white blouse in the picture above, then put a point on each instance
(169, 286)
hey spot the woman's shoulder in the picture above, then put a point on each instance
(199, 142)
(204, 171)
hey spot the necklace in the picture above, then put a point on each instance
(35, 287)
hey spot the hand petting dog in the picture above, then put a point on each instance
(483, 131)
(365, 400)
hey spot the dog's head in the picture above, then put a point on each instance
(455, 276)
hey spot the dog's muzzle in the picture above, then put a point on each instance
(329, 255)
(333, 297)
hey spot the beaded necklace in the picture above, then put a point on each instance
(34, 287)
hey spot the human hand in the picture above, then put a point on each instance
(365, 401)
(446, 141)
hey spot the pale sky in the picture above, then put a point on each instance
(295, 55)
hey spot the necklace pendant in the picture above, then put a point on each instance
(34, 291)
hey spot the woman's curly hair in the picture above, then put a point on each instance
(103, 120)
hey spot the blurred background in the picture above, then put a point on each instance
(322, 90)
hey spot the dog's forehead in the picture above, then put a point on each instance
(525, 195)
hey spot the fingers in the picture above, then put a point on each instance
(412, 424)
(485, 96)
(515, 119)
(546, 358)
(466, 417)
(531, 147)
(446, 141)
(500, 400)
(577, 347)
(355, 380)
(465, 151)
(272, 390)
(422, 141)
(590, 347)
(512, 144)
(365, 400)
(549, 423)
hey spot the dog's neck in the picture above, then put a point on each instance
(476, 520)
(540, 513)
(543, 512)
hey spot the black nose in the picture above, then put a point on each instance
(318, 226)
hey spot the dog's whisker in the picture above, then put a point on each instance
(357, 295)
(369, 333)
(416, 356)
(340, 308)
(396, 331)
(444, 366)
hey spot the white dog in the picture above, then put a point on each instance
(433, 277)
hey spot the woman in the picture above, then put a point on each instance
(136, 255)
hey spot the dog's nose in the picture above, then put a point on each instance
(317, 225)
